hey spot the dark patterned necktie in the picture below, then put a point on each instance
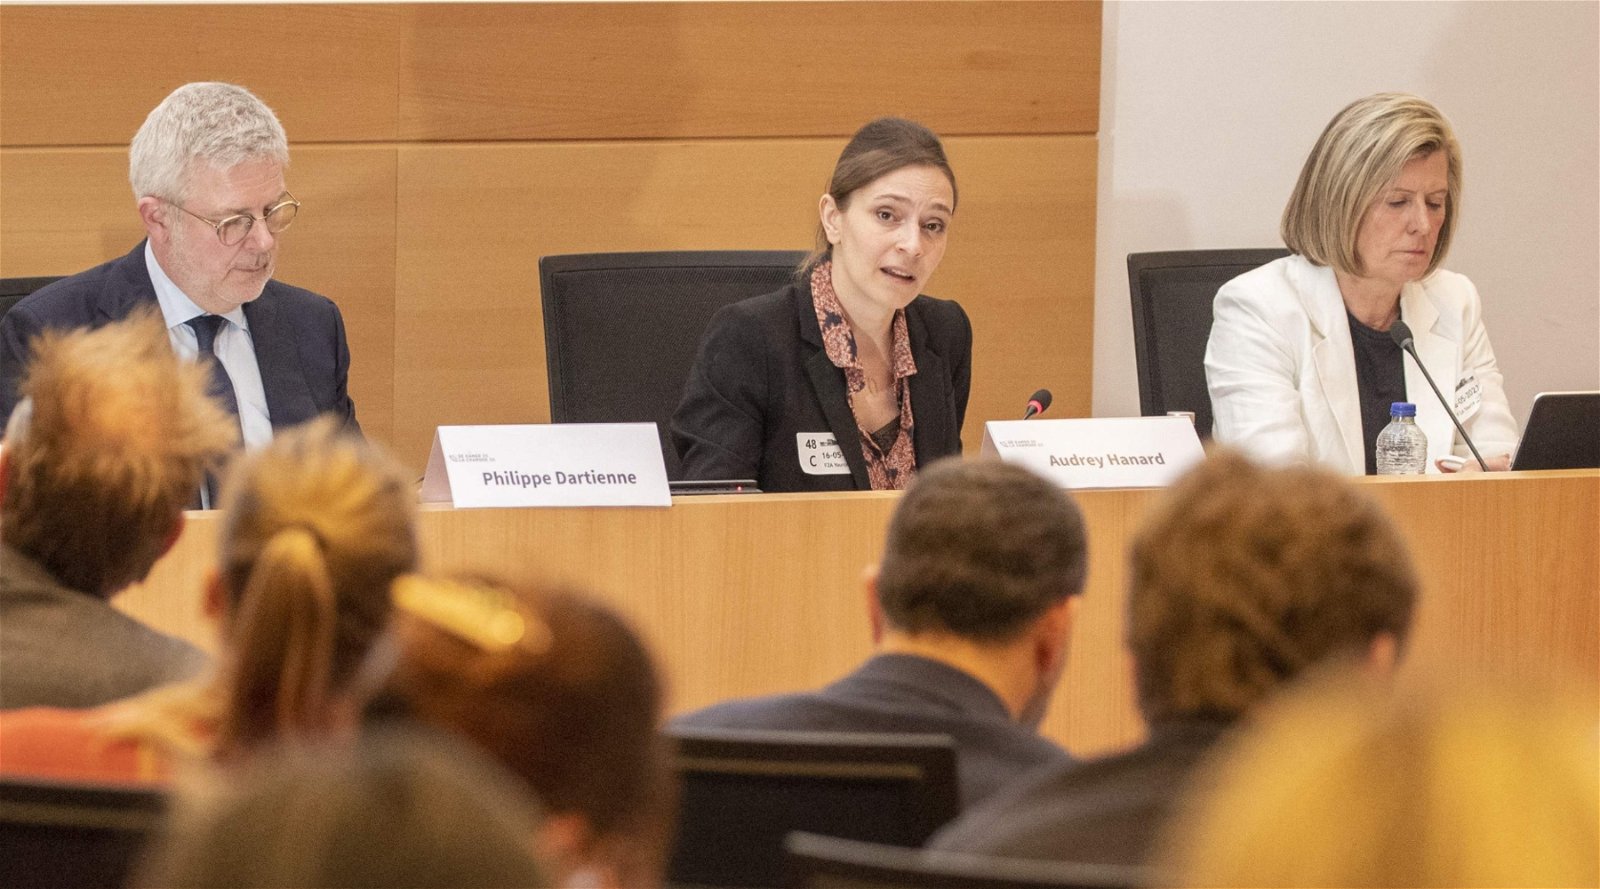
(205, 331)
(221, 388)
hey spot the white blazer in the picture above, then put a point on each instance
(1282, 370)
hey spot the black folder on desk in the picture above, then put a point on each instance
(1563, 432)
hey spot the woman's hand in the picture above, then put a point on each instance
(1500, 463)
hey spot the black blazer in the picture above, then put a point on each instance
(298, 336)
(905, 694)
(763, 378)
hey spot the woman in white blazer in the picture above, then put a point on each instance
(1300, 365)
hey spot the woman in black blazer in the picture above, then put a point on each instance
(846, 379)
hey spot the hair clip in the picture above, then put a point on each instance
(485, 617)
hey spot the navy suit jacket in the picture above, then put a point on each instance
(1105, 811)
(763, 377)
(900, 693)
(298, 336)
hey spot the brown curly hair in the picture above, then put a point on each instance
(1243, 576)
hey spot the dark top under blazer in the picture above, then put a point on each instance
(901, 693)
(763, 376)
(298, 336)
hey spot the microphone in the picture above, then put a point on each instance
(1400, 332)
(1038, 404)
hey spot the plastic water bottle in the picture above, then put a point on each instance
(1402, 447)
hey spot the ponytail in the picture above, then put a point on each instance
(284, 630)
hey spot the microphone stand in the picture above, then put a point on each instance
(1410, 347)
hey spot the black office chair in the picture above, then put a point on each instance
(57, 833)
(621, 329)
(822, 862)
(743, 792)
(1172, 294)
(12, 290)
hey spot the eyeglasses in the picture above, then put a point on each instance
(234, 229)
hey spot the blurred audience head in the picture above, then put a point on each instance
(1244, 576)
(1473, 784)
(105, 450)
(981, 569)
(1356, 159)
(561, 691)
(316, 526)
(980, 549)
(395, 809)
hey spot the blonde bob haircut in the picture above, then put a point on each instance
(1357, 157)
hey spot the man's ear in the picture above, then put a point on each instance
(875, 619)
(1052, 633)
(171, 539)
(155, 219)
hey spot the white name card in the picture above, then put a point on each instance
(1107, 452)
(565, 464)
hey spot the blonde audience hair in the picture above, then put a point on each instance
(1358, 155)
(108, 445)
(316, 527)
(1468, 785)
(1243, 576)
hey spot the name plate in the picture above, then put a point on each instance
(1106, 452)
(564, 464)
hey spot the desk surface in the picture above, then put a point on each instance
(751, 594)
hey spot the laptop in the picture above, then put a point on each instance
(1562, 432)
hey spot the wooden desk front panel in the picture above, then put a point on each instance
(750, 595)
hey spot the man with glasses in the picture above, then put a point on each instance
(207, 169)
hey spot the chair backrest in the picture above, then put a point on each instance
(1172, 294)
(621, 330)
(57, 833)
(822, 862)
(12, 290)
(743, 792)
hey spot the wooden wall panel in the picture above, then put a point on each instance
(751, 595)
(479, 216)
(441, 71)
(65, 210)
(669, 70)
(89, 74)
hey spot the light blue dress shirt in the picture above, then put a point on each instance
(233, 347)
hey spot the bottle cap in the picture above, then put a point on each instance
(1402, 409)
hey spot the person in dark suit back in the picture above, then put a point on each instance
(970, 612)
(207, 169)
(107, 446)
(1241, 579)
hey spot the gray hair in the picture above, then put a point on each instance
(217, 123)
